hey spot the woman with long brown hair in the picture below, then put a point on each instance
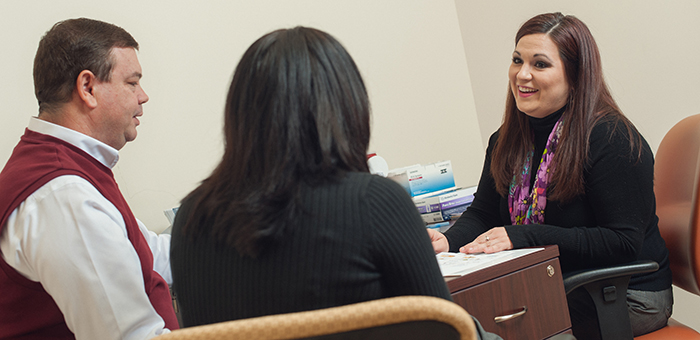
(566, 167)
(283, 222)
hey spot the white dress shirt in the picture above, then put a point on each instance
(73, 241)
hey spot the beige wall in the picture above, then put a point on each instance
(409, 52)
(649, 51)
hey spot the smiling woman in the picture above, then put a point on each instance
(566, 167)
(537, 77)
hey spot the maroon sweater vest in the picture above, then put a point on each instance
(27, 311)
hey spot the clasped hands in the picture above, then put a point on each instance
(492, 241)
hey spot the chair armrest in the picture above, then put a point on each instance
(607, 287)
(579, 278)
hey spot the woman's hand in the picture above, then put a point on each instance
(440, 243)
(489, 242)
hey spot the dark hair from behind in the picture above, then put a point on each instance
(589, 101)
(297, 113)
(67, 49)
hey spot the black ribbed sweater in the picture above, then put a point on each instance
(613, 222)
(362, 240)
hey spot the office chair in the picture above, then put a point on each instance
(403, 317)
(677, 189)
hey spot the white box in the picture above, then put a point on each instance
(440, 206)
(424, 179)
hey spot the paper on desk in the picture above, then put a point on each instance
(458, 264)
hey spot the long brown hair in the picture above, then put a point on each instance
(589, 101)
(297, 113)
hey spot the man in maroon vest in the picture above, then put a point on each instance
(75, 262)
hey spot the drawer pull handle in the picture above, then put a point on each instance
(500, 319)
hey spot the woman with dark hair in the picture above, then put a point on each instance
(567, 168)
(283, 222)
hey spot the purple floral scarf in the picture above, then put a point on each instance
(527, 207)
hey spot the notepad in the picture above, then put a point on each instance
(459, 264)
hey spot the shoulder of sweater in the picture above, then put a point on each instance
(611, 130)
(492, 140)
(366, 184)
(615, 127)
(384, 193)
(358, 177)
(383, 186)
(494, 136)
(612, 136)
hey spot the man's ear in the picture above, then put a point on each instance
(85, 88)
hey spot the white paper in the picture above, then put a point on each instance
(459, 264)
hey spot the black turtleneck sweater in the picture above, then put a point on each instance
(613, 222)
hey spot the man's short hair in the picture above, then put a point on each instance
(67, 49)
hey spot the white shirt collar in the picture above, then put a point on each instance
(102, 152)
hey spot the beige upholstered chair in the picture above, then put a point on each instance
(403, 317)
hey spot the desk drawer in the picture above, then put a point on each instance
(539, 288)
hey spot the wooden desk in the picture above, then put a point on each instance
(532, 283)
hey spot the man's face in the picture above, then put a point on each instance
(119, 100)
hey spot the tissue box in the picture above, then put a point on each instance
(440, 206)
(424, 179)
